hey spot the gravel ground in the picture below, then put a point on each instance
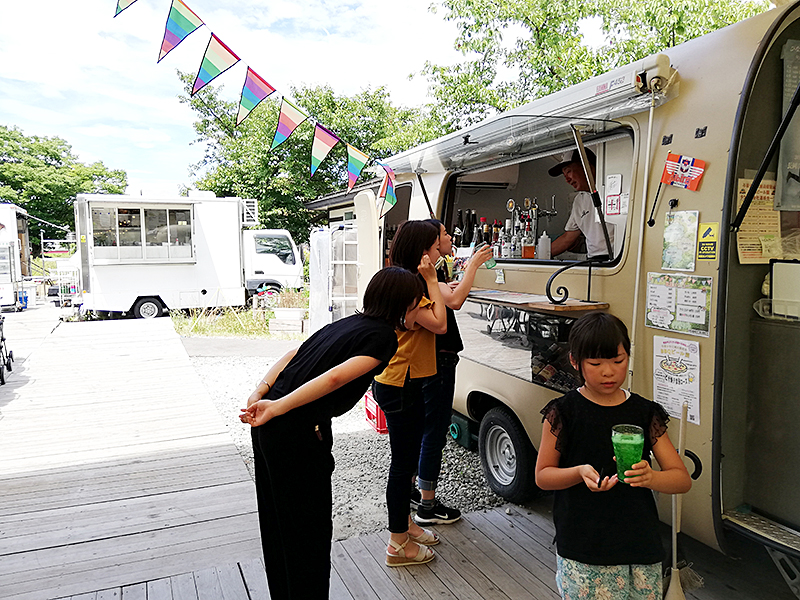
(362, 455)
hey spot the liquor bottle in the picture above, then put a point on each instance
(528, 243)
(458, 233)
(486, 232)
(505, 244)
(473, 223)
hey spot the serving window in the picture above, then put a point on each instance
(129, 233)
(521, 200)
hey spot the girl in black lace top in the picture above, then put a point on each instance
(607, 537)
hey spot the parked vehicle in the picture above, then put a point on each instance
(14, 256)
(146, 256)
(684, 283)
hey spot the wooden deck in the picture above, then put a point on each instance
(117, 481)
(116, 468)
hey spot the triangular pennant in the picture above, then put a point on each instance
(290, 118)
(356, 160)
(323, 143)
(122, 5)
(386, 195)
(255, 89)
(217, 59)
(181, 22)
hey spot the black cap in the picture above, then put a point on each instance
(567, 159)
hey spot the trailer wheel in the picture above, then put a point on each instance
(507, 456)
(147, 308)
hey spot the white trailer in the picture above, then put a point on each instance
(148, 255)
(14, 254)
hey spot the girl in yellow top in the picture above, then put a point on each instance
(398, 391)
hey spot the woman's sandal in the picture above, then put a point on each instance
(427, 538)
(424, 555)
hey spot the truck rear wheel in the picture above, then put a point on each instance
(507, 456)
(147, 308)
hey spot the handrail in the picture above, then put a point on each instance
(563, 291)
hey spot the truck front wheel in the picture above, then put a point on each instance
(147, 308)
(507, 456)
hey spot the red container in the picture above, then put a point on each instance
(375, 415)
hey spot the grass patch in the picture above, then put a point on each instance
(227, 322)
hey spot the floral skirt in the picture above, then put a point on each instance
(579, 581)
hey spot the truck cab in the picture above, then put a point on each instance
(271, 260)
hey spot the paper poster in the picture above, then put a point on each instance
(758, 239)
(680, 240)
(676, 376)
(679, 302)
(613, 205)
(683, 171)
(708, 241)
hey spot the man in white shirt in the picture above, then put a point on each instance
(583, 216)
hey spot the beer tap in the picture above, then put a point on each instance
(551, 212)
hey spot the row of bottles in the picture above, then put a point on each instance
(507, 241)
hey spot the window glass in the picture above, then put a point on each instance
(156, 233)
(180, 233)
(104, 232)
(278, 245)
(129, 223)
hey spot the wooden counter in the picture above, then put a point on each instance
(532, 302)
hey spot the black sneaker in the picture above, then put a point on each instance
(416, 498)
(438, 515)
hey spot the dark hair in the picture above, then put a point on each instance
(597, 335)
(410, 242)
(389, 294)
(436, 223)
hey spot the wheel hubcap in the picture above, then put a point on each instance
(149, 310)
(500, 455)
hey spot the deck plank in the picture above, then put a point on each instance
(116, 490)
(255, 579)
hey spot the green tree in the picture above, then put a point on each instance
(43, 176)
(238, 160)
(519, 50)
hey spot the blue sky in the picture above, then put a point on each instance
(72, 70)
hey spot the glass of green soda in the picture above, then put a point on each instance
(628, 441)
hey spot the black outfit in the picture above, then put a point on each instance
(616, 527)
(293, 460)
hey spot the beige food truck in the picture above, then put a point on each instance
(680, 138)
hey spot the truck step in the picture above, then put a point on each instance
(742, 519)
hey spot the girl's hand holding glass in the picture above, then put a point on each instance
(639, 475)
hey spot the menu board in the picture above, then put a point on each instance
(679, 302)
(676, 376)
(759, 237)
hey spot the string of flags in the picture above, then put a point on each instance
(182, 21)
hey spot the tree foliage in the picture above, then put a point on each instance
(238, 160)
(519, 50)
(43, 176)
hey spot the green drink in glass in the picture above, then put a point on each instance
(628, 441)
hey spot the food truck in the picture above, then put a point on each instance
(680, 139)
(144, 256)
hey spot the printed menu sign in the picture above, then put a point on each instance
(676, 376)
(679, 302)
(759, 237)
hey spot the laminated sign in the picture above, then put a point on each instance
(683, 171)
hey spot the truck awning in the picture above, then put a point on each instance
(546, 123)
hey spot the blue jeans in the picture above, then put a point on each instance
(405, 417)
(437, 392)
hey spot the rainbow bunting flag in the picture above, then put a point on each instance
(386, 194)
(122, 5)
(255, 89)
(323, 143)
(289, 119)
(180, 23)
(356, 160)
(217, 59)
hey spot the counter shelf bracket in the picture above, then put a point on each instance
(562, 291)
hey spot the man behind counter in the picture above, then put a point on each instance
(582, 217)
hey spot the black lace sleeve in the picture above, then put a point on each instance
(552, 414)
(658, 423)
